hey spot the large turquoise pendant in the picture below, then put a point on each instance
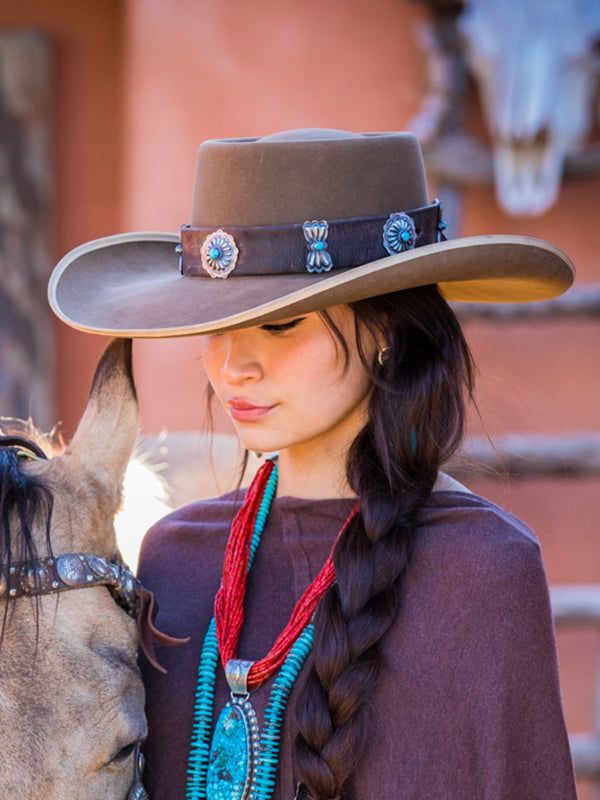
(234, 748)
(233, 752)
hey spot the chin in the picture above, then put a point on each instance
(264, 442)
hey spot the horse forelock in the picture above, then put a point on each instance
(26, 501)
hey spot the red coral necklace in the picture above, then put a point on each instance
(229, 601)
(242, 760)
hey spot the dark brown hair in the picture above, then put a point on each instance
(416, 421)
(24, 498)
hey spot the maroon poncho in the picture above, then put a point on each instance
(468, 705)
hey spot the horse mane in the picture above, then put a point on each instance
(24, 500)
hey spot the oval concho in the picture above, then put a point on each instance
(72, 569)
(233, 751)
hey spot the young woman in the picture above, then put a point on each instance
(362, 626)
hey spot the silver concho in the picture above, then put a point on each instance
(34, 579)
(317, 258)
(219, 254)
(128, 587)
(104, 569)
(72, 570)
(399, 233)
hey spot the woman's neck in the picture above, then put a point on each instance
(312, 474)
(316, 469)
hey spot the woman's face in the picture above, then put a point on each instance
(283, 384)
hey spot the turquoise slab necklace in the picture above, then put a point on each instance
(241, 762)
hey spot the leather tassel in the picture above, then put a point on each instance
(148, 632)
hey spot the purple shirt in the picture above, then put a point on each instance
(468, 704)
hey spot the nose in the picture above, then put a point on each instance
(240, 362)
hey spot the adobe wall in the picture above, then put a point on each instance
(137, 91)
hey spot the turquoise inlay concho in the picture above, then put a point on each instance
(219, 254)
(317, 258)
(441, 227)
(233, 752)
(399, 233)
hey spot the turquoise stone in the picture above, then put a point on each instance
(215, 252)
(229, 760)
(405, 236)
(319, 245)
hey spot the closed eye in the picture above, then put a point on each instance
(284, 326)
(123, 754)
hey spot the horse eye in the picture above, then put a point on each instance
(123, 754)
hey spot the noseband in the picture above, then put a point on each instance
(52, 575)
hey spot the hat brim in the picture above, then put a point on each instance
(129, 285)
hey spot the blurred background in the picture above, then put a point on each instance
(102, 107)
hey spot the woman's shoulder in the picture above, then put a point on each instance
(475, 567)
(469, 531)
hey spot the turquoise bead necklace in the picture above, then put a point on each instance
(241, 763)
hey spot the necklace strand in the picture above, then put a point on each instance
(205, 690)
(229, 602)
(253, 515)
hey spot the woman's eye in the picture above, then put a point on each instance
(284, 326)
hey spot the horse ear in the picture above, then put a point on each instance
(105, 437)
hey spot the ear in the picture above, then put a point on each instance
(106, 435)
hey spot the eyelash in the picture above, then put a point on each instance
(286, 326)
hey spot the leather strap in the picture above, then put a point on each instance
(282, 249)
(67, 571)
(79, 570)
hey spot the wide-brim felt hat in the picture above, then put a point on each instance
(289, 223)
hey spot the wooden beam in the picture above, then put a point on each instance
(579, 302)
(26, 342)
(575, 605)
(585, 749)
(522, 455)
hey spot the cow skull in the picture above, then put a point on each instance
(537, 71)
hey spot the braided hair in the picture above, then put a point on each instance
(416, 421)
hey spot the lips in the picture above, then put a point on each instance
(243, 405)
(244, 411)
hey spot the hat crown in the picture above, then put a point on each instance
(309, 134)
(306, 173)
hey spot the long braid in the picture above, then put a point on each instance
(392, 470)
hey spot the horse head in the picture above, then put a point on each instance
(71, 695)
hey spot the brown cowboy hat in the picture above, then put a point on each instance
(289, 223)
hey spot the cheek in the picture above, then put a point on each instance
(317, 389)
(305, 366)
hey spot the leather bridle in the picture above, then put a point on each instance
(51, 575)
(78, 571)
